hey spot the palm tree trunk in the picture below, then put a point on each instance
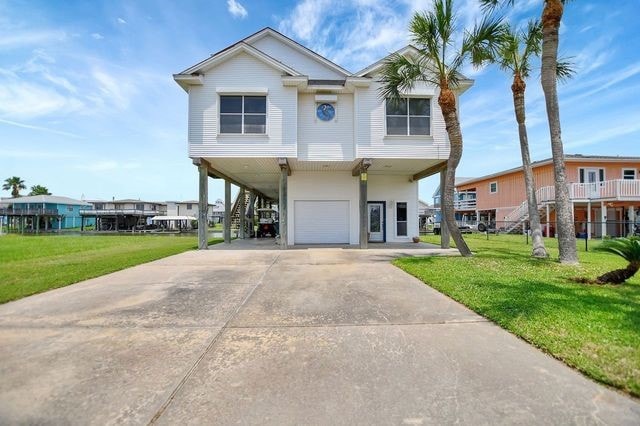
(619, 276)
(518, 87)
(551, 16)
(447, 102)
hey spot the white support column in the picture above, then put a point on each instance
(547, 228)
(589, 219)
(632, 219)
(603, 218)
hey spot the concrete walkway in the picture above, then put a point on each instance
(317, 336)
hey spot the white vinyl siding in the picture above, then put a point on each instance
(295, 59)
(325, 140)
(321, 222)
(372, 140)
(246, 72)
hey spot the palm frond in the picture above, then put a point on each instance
(399, 74)
(481, 44)
(565, 69)
(626, 248)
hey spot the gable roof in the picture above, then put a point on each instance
(268, 31)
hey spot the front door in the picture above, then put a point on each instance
(591, 177)
(376, 222)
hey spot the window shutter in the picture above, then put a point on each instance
(601, 175)
(581, 175)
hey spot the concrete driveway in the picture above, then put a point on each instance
(318, 336)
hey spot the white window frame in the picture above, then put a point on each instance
(635, 173)
(242, 114)
(491, 183)
(585, 170)
(408, 135)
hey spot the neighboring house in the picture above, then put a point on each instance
(604, 191)
(426, 215)
(122, 215)
(42, 213)
(217, 212)
(279, 120)
(191, 208)
(463, 201)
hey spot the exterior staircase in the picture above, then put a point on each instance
(515, 221)
(249, 201)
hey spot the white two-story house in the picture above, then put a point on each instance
(279, 120)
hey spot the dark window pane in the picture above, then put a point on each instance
(402, 229)
(419, 106)
(255, 123)
(398, 107)
(230, 123)
(419, 125)
(255, 104)
(396, 125)
(401, 212)
(374, 219)
(230, 104)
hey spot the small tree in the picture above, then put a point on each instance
(629, 250)
(15, 185)
(39, 190)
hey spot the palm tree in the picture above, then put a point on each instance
(551, 17)
(39, 190)
(629, 250)
(438, 62)
(514, 55)
(14, 184)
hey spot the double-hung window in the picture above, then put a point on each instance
(628, 174)
(408, 116)
(243, 114)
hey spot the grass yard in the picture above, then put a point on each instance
(595, 329)
(33, 264)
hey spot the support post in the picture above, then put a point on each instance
(227, 212)
(603, 218)
(445, 237)
(37, 224)
(364, 219)
(243, 212)
(632, 219)
(589, 220)
(282, 205)
(548, 230)
(203, 204)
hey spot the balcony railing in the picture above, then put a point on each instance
(464, 204)
(618, 189)
(113, 212)
(28, 212)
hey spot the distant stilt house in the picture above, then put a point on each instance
(42, 213)
(215, 212)
(122, 215)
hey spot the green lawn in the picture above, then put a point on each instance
(33, 264)
(595, 329)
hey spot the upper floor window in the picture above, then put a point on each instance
(493, 187)
(243, 114)
(139, 206)
(99, 206)
(189, 206)
(408, 116)
(628, 174)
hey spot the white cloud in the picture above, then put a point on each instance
(22, 99)
(116, 91)
(121, 21)
(97, 36)
(32, 127)
(236, 9)
(16, 39)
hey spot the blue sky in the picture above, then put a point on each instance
(88, 106)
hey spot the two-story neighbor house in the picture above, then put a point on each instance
(121, 215)
(279, 120)
(604, 191)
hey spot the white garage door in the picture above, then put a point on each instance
(321, 222)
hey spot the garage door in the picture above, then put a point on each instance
(321, 222)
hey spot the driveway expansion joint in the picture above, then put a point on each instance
(209, 347)
(378, 324)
